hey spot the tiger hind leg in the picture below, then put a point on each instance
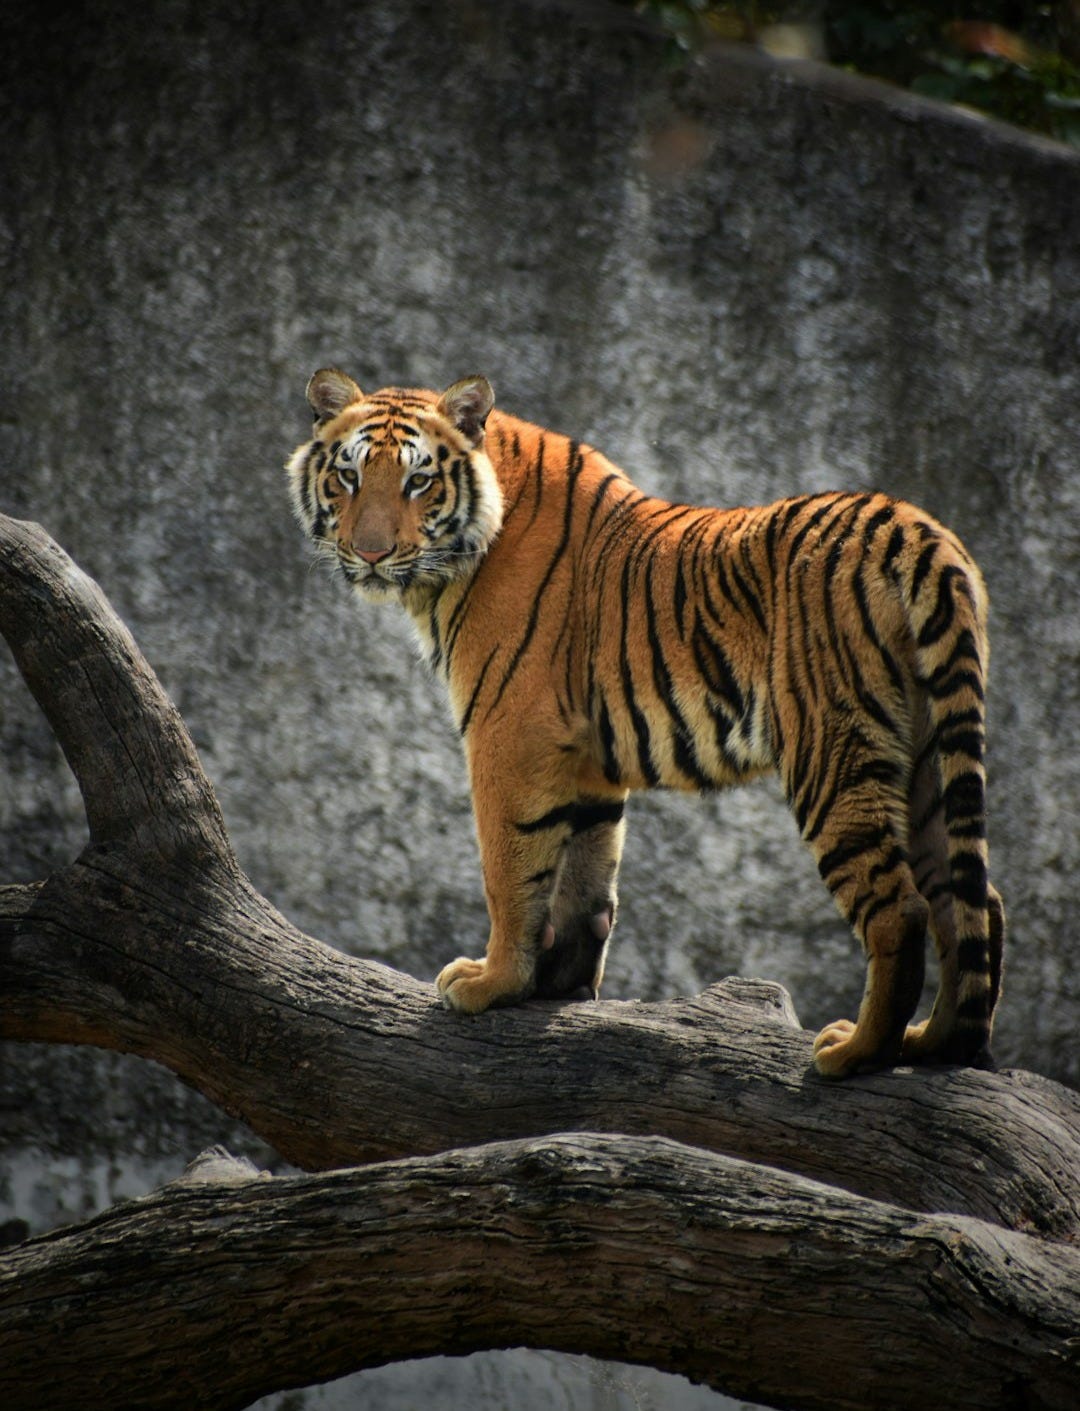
(867, 871)
(969, 945)
(944, 1038)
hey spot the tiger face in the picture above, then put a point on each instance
(397, 486)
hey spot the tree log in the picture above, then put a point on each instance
(759, 1282)
(154, 942)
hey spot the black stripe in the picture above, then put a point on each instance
(870, 628)
(598, 498)
(893, 859)
(821, 803)
(436, 647)
(683, 740)
(892, 551)
(959, 680)
(789, 509)
(770, 546)
(922, 568)
(965, 797)
(719, 573)
(715, 668)
(969, 742)
(608, 530)
(968, 879)
(680, 599)
(868, 701)
(885, 515)
(537, 470)
(940, 620)
(463, 727)
(457, 617)
(578, 816)
(973, 955)
(877, 907)
(637, 716)
(811, 524)
(836, 548)
(745, 547)
(849, 850)
(538, 598)
(964, 649)
(702, 578)
(881, 771)
(748, 596)
(607, 742)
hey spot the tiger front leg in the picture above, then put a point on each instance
(520, 864)
(507, 973)
(538, 944)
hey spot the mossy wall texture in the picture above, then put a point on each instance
(740, 281)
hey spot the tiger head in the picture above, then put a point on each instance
(397, 485)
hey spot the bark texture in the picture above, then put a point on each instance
(210, 1293)
(651, 1243)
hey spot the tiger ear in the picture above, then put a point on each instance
(330, 392)
(466, 404)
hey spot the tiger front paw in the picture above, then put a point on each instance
(843, 1048)
(832, 1049)
(471, 986)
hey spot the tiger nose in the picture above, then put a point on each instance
(374, 555)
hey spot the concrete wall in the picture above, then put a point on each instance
(740, 281)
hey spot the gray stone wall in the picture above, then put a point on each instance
(741, 281)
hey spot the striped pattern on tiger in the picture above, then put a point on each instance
(594, 640)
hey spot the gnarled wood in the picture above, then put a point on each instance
(761, 1283)
(335, 1060)
(155, 943)
(141, 781)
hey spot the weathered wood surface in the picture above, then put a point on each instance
(155, 943)
(335, 1061)
(762, 1283)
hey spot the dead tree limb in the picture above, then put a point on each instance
(752, 1280)
(662, 1251)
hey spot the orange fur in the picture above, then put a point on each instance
(596, 640)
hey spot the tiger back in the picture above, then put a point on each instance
(595, 640)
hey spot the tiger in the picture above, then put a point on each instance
(595, 640)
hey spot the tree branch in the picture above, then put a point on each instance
(140, 777)
(758, 1282)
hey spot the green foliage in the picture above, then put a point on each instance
(1017, 62)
